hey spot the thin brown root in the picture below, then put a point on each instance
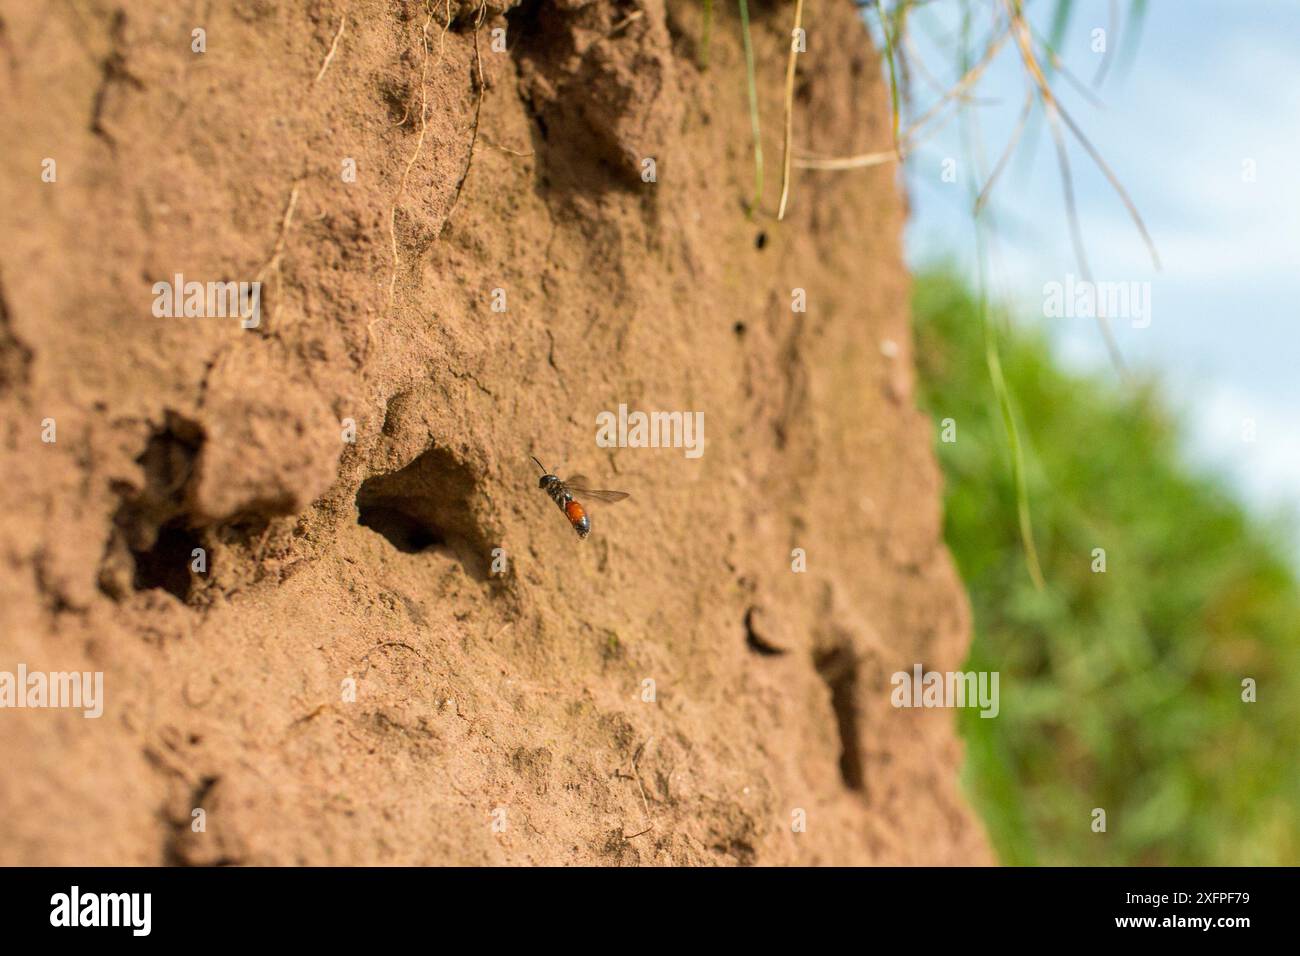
(916, 133)
(645, 804)
(1124, 197)
(1056, 116)
(1076, 235)
(627, 21)
(415, 155)
(478, 109)
(333, 49)
(982, 198)
(959, 90)
(789, 109)
(278, 249)
(1023, 37)
(861, 161)
(273, 263)
(506, 149)
(419, 143)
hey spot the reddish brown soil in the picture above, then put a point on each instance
(514, 698)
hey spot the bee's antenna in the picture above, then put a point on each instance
(540, 465)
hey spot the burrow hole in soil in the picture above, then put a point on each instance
(151, 524)
(428, 505)
(404, 531)
(755, 641)
(839, 669)
(167, 564)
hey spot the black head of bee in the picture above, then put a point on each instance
(547, 479)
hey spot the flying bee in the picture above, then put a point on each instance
(563, 494)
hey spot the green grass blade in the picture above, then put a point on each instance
(893, 77)
(753, 107)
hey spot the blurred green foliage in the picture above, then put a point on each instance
(1120, 690)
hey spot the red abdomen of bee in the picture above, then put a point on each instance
(577, 516)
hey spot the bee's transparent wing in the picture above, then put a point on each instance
(578, 485)
(609, 497)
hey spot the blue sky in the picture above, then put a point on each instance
(1211, 95)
